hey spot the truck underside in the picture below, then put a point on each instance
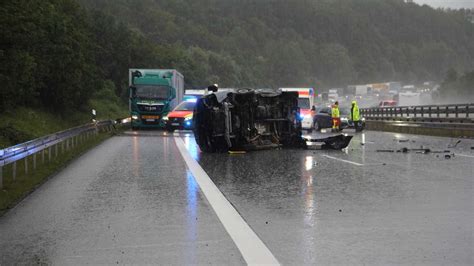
(252, 120)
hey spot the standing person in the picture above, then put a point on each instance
(336, 118)
(355, 116)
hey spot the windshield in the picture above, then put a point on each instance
(152, 91)
(303, 103)
(185, 106)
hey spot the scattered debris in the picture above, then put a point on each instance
(421, 150)
(447, 156)
(385, 150)
(455, 144)
(472, 148)
(403, 140)
(340, 210)
(445, 151)
(237, 152)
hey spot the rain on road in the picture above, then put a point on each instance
(133, 199)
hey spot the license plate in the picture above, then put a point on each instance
(152, 117)
(175, 124)
(150, 120)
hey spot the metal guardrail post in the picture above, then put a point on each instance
(56, 150)
(26, 165)
(42, 156)
(49, 154)
(34, 161)
(456, 110)
(14, 170)
(1, 177)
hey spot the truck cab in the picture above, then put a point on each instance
(153, 93)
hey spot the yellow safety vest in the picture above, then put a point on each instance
(335, 112)
(355, 115)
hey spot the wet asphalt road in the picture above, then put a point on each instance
(133, 200)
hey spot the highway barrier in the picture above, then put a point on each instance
(45, 147)
(453, 120)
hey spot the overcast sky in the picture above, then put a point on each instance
(448, 3)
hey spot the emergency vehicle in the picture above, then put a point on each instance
(182, 115)
(305, 102)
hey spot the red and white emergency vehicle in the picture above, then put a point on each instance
(305, 102)
(182, 115)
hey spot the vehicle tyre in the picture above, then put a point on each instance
(169, 129)
(317, 127)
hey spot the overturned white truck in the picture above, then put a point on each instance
(247, 119)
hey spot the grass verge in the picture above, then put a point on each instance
(14, 190)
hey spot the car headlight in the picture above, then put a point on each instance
(134, 117)
(363, 119)
(165, 118)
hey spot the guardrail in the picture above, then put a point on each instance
(63, 140)
(451, 113)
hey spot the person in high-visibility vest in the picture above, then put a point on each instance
(336, 118)
(355, 116)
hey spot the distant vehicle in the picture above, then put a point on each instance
(324, 96)
(153, 93)
(408, 88)
(388, 103)
(358, 89)
(333, 95)
(409, 98)
(182, 115)
(323, 118)
(361, 90)
(305, 102)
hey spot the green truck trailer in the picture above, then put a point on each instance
(153, 93)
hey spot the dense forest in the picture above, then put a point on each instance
(59, 54)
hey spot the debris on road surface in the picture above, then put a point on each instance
(445, 151)
(455, 144)
(447, 156)
(336, 142)
(402, 140)
(246, 119)
(237, 152)
(385, 150)
(421, 150)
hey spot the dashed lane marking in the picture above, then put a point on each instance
(253, 250)
(342, 160)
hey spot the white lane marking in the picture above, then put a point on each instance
(464, 155)
(251, 247)
(342, 160)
